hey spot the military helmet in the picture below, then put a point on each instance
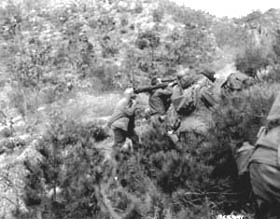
(182, 72)
(155, 81)
(129, 93)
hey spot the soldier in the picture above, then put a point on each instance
(264, 167)
(207, 93)
(186, 100)
(236, 81)
(123, 119)
(183, 101)
(159, 99)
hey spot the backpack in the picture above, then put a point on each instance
(206, 94)
(238, 81)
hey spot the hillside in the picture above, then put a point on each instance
(63, 66)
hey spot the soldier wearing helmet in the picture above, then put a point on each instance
(188, 101)
(122, 121)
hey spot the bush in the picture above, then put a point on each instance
(105, 73)
(148, 39)
(64, 184)
(158, 15)
(237, 120)
(252, 60)
(159, 179)
(199, 174)
(182, 175)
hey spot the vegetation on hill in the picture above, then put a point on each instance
(60, 65)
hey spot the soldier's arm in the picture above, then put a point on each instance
(127, 111)
(165, 92)
(114, 118)
(130, 110)
(119, 111)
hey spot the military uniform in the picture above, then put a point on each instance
(187, 103)
(123, 122)
(264, 166)
(236, 81)
(159, 101)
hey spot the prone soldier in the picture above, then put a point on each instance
(236, 81)
(159, 99)
(191, 98)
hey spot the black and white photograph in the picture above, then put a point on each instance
(139, 109)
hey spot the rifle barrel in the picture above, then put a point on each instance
(150, 88)
(168, 80)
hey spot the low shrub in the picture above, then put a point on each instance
(158, 179)
(271, 74)
(237, 120)
(252, 60)
(63, 184)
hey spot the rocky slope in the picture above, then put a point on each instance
(127, 39)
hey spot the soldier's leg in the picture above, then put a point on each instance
(134, 137)
(262, 209)
(159, 123)
(265, 184)
(119, 140)
(119, 137)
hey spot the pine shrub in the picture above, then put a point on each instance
(198, 176)
(237, 120)
(252, 60)
(63, 184)
(158, 179)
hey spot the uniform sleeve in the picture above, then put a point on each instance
(129, 111)
(164, 92)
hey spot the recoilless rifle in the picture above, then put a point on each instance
(164, 83)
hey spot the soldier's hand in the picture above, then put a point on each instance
(171, 84)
